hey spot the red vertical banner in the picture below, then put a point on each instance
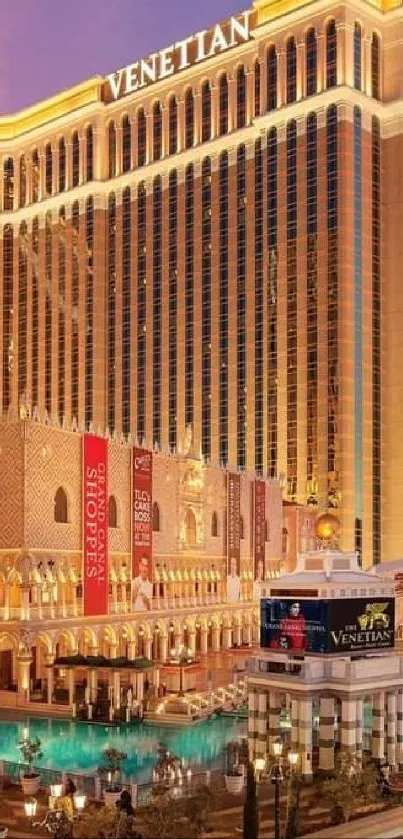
(142, 529)
(95, 525)
(233, 537)
(260, 530)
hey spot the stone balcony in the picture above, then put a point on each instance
(319, 674)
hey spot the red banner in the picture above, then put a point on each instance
(234, 536)
(260, 530)
(95, 525)
(142, 530)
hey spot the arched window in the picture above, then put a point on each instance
(90, 153)
(189, 119)
(62, 165)
(271, 78)
(331, 54)
(8, 183)
(266, 531)
(190, 528)
(126, 144)
(223, 105)
(257, 89)
(375, 68)
(357, 56)
(48, 169)
(173, 125)
(241, 97)
(311, 62)
(61, 511)
(75, 159)
(112, 512)
(111, 150)
(214, 524)
(35, 176)
(241, 528)
(157, 131)
(291, 71)
(141, 138)
(23, 181)
(206, 112)
(156, 518)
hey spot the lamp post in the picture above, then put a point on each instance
(277, 774)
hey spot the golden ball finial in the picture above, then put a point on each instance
(327, 527)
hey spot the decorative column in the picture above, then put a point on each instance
(71, 682)
(93, 686)
(301, 71)
(366, 76)
(281, 79)
(378, 726)
(203, 640)
(359, 730)
(237, 636)
(216, 639)
(24, 663)
(140, 687)
(326, 733)
(247, 634)
(348, 725)
(192, 642)
(321, 62)
(226, 638)
(305, 736)
(261, 743)
(164, 648)
(24, 600)
(399, 719)
(116, 690)
(295, 724)
(253, 704)
(273, 730)
(131, 650)
(391, 729)
(49, 660)
(148, 648)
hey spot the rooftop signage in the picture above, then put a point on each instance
(172, 59)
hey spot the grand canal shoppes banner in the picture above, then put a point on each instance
(142, 529)
(95, 525)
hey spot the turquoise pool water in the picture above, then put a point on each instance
(77, 746)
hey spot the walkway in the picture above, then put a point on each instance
(385, 825)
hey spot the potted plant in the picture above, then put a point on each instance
(234, 776)
(113, 759)
(31, 750)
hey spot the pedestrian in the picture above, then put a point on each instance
(124, 803)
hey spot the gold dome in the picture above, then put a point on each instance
(327, 527)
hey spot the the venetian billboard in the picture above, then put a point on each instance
(328, 626)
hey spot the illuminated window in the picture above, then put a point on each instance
(141, 308)
(48, 170)
(126, 310)
(126, 144)
(112, 512)
(375, 66)
(376, 342)
(23, 182)
(311, 295)
(332, 308)
(35, 176)
(311, 62)
(241, 97)
(61, 512)
(157, 131)
(75, 293)
(189, 119)
(8, 184)
(241, 307)
(190, 529)
(62, 165)
(331, 54)
(272, 360)
(62, 316)
(271, 78)
(189, 293)
(224, 303)
(206, 112)
(257, 89)
(357, 56)
(8, 351)
(259, 307)
(111, 150)
(89, 312)
(173, 309)
(173, 125)
(141, 138)
(156, 517)
(292, 290)
(291, 56)
(223, 105)
(48, 312)
(206, 307)
(75, 153)
(35, 310)
(22, 310)
(111, 263)
(90, 153)
(157, 308)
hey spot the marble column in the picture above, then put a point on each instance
(326, 733)
(378, 726)
(204, 641)
(253, 712)
(391, 710)
(273, 729)
(295, 725)
(50, 673)
(348, 725)
(24, 663)
(399, 726)
(261, 743)
(305, 736)
(216, 639)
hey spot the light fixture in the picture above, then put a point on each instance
(277, 748)
(293, 759)
(30, 808)
(56, 790)
(79, 801)
(260, 764)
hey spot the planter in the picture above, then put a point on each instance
(234, 783)
(30, 784)
(3, 831)
(111, 797)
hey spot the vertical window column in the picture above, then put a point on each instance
(333, 447)
(224, 323)
(126, 311)
(89, 313)
(157, 309)
(376, 343)
(189, 295)
(61, 372)
(48, 313)
(8, 303)
(173, 308)
(75, 290)
(259, 303)
(292, 298)
(35, 313)
(358, 348)
(22, 312)
(272, 348)
(206, 308)
(141, 310)
(241, 307)
(312, 306)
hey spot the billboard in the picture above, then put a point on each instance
(260, 530)
(142, 529)
(327, 626)
(95, 525)
(233, 537)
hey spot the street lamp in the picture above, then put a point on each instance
(277, 775)
(30, 808)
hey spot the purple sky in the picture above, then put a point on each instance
(48, 45)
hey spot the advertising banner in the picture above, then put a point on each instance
(322, 626)
(233, 537)
(260, 530)
(142, 529)
(95, 525)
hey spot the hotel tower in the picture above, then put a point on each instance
(212, 237)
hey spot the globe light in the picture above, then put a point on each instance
(293, 759)
(79, 801)
(30, 808)
(260, 764)
(277, 748)
(56, 790)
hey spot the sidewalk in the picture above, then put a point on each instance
(385, 825)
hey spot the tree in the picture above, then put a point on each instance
(250, 810)
(168, 816)
(294, 794)
(105, 823)
(353, 785)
